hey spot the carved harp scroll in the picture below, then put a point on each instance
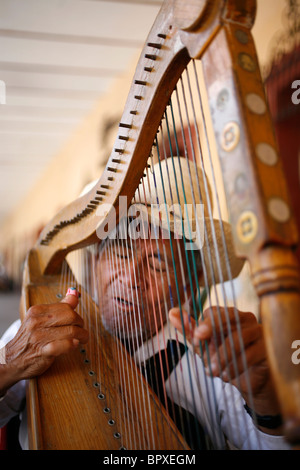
(219, 34)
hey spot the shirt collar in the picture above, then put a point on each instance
(156, 343)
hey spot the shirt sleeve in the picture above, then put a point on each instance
(239, 428)
(219, 407)
(13, 402)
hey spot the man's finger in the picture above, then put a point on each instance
(182, 322)
(59, 347)
(72, 297)
(222, 321)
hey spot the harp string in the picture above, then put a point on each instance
(136, 265)
(107, 259)
(106, 380)
(146, 271)
(150, 347)
(158, 320)
(164, 184)
(103, 392)
(210, 249)
(99, 333)
(215, 244)
(123, 330)
(80, 270)
(223, 245)
(137, 299)
(123, 256)
(195, 313)
(162, 258)
(115, 255)
(126, 330)
(141, 283)
(133, 275)
(211, 400)
(216, 250)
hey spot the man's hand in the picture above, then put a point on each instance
(232, 347)
(46, 332)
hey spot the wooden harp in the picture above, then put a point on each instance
(66, 408)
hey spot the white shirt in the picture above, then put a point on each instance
(13, 402)
(217, 405)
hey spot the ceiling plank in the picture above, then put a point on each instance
(55, 82)
(79, 18)
(25, 143)
(61, 54)
(59, 69)
(43, 114)
(37, 127)
(57, 60)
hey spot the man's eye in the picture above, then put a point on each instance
(121, 251)
(157, 266)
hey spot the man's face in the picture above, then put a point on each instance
(137, 282)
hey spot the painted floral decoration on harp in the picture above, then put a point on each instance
(154, 282)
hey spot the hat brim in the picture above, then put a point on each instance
(213, 238)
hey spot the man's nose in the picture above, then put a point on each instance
(130, 274)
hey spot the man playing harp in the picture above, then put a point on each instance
(150, 293)
(146, 274)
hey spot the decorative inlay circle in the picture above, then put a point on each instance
(279, 209)
(266, 153)
(256, 104)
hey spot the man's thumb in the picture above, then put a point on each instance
(72, 297)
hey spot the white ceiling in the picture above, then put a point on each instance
(57, 57)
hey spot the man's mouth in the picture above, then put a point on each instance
(123, 302)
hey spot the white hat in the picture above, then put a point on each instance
(177, 198)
